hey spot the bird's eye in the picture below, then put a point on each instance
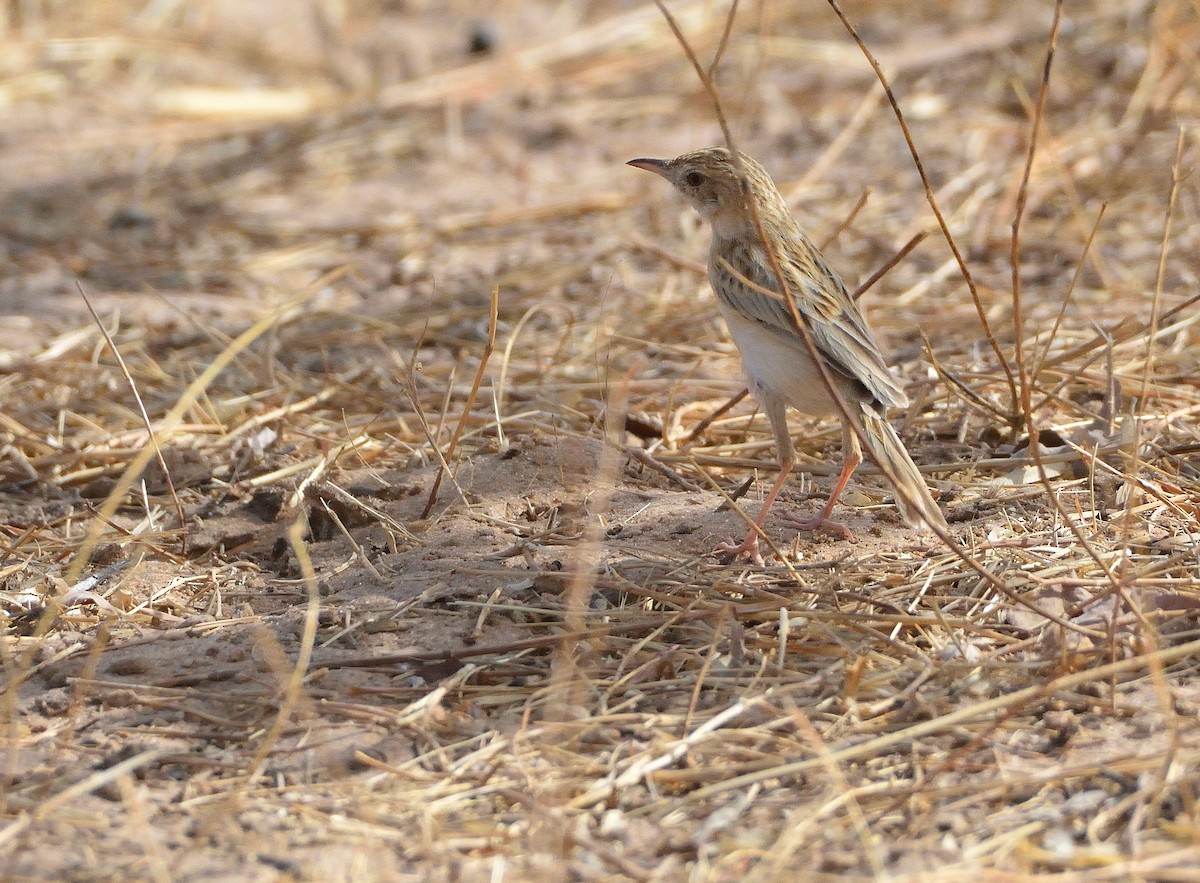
(693, 179)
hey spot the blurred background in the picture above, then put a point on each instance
(349, 184)
(214, 147)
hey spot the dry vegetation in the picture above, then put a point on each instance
(381, 600)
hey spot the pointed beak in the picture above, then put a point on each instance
(658, 166)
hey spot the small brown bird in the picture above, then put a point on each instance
(779, 364)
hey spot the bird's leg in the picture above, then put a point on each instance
(749, 546)
(776, 412)
(823, 521)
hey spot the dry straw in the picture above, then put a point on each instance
(362, 531)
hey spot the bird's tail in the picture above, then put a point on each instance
(916, 506)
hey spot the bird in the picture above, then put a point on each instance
(797, 345)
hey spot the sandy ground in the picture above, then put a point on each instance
(418, 594)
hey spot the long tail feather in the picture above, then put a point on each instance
(916, 506)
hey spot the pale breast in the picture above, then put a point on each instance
(781, 365)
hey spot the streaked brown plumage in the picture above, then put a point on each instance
(779, 364)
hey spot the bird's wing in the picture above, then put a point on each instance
(743, 278)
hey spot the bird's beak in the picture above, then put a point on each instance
(658, 166)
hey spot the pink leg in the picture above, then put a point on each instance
(776, 412)
(823, 520)
(749, 546)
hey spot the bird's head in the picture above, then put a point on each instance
(717, 188)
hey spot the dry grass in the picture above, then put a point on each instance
(384, 601)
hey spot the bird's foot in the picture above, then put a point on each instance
(820, 523)
(727, 553)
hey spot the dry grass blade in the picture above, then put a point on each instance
(980, 710)
(1058, 319)
(134, 470)
(294, 681)
(488, 347)
(890, 264)
(150, 435)
(931, 199)
(1025, 409)
(436, 269)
